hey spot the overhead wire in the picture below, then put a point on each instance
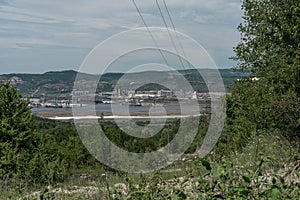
(148, 29)
(173, 26)
(169, 33)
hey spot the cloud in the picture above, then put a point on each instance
(3, 2)
(77, 26)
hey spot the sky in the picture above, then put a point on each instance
(37, 36)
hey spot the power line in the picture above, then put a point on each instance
(173, 43)
(173, 26)
(160, 51)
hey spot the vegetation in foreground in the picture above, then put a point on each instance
(257, 156)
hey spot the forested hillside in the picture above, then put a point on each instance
(62, 82)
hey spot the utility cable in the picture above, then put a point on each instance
(169, 33)
(173, 26)
(160, 51)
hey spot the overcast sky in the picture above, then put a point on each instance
(42, 35)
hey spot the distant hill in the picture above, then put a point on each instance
(49, 82)
(61, 82)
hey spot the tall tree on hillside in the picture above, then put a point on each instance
(270, 42)
(17, 132)
(270, 50)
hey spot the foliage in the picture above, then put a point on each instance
(157, 141)
(212, 181)
(224, 181)
(60, 151)
(270, 39)
(18, 136)
(36, 150)
(269, 49)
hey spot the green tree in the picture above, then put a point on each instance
(18, 141)
(270, 42)
(46, 157)
(269, 49)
